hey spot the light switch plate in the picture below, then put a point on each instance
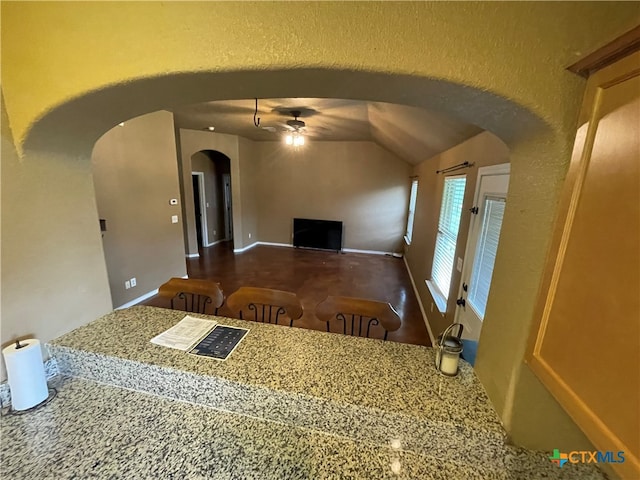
(459, 265)
(174, 218)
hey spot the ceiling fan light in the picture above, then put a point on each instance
(298, 141)
(288, 140)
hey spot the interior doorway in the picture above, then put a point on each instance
(228, 216)
(484, 234)
(200, 207)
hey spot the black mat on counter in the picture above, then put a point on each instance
(220, 342)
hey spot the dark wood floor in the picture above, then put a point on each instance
(313, 275)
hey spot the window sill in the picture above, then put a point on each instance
(407, 241)
(438, 298)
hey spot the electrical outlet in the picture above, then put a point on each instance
(174, 218)
(127, 285)
(249, 235)
(214, 233)
(133, 282)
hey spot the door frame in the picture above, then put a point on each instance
(227, 207)
(203, 210)
(472, 238)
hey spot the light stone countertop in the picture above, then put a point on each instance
(93, 430)
(287, 404)
(395, 377)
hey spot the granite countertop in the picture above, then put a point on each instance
(93, 430)
(355, 371)
(287, 404)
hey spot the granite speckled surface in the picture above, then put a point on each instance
(363, 372)
(367, 390)
(92, 430)
(363, 404)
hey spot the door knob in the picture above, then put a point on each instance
(461, 302)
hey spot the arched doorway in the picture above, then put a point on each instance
(212, 202)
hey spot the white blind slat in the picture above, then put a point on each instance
(485, 255)
(448, 227)
(412, 209)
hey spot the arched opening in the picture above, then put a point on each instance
(71, 128)
(69, 131)
(74, 126)
(211, 207)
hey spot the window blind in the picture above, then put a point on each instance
(448, 226)
(412, 209)
(485, 255)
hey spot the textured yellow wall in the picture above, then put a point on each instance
(71, 71)
(54, 277)
(517, 50)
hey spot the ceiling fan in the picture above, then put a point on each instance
(296, 125)
(296, 128)
(293, 130)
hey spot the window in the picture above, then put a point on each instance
(485, 255)
(412, 211)
(447, 236)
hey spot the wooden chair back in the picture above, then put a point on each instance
(358, 315)
(264, 305)
(193, 294)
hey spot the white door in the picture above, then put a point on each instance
(484, 234)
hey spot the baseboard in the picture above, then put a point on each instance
(347, 250)
(244, 249)
(273, 244)
(138, 300)
(216, 242)
(370, 252)
(424, 313)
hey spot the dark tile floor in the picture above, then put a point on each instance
(313, 275)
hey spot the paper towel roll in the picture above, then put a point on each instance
(25, 372)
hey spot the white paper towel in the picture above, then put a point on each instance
(25, 372)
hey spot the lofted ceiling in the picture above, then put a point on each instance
(414, 134)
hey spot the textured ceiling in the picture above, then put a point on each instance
(414, 134)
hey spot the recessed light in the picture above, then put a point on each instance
(121, 124)
(211, 129)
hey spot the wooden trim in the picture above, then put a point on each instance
(620, 47)
(593, 427)
(583, 413)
